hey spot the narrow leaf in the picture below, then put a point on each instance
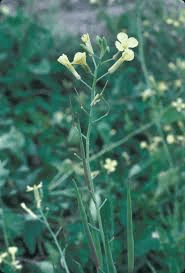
(86, 228)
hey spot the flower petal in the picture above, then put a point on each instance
(128, 55)
(80, 58)
(122, 37)
(132, 42)
(119, 46)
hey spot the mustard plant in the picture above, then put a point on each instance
(98, 239)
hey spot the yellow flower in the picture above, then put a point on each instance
(162, 86)
(12, 250)
(29, 211)
(63, 59)
(143, 144)
(110, 165)
(169, 21)
(3, 256)
(4, 9)
(86, 39)
(80, 58)
(178, 104)
(35, 189)
(147, 94)
(172, 66)
(170, 139)
(124, 42)
(127, 55)
(180, 64)
(178, 83)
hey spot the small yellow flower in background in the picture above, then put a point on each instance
(110, 165)
(113, 132)
(181, 140)
(162, 86)
(157, 139)
(182, 16)
(146, 23)
(126, 156)
(180, 64)
(15, 263)
(147, 94)
(176, 23)
(169, 21)
(86, 39)
(143, 145)
(63, 59)
(173, 22)
(94, 174)
(146, 34)
(93, 1)
(178, 104)
(170, 139)
(178, 83)
(57, 117)
(35, 189)
(3, 256)
(151, 79)
(127, 55)
(29, 211)
(4, 9)
(172, 66)
(124, 42)
(168, 128)
(12, 250)
(155, 235)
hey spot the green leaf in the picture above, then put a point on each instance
(165, 180)
(86, 228)
(32, 231)
(42, 68)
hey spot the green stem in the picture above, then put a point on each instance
(4, 225)
(107, 73)
(146, 75)
(93, 93)
(64, 264)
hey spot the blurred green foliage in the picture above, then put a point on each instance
(38, 107)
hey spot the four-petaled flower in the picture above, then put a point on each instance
(124, 42)
(110, 165)
(178, 104)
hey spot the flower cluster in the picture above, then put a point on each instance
(172, 139)
(12, 250)
(123, 45)
(156, 140)
(179, 64)
(37, 197)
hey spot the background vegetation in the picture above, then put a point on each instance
(144, 132)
